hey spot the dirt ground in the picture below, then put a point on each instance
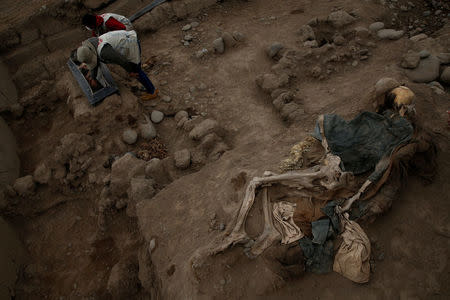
(74, 255)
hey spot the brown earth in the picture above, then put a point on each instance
(78, 250)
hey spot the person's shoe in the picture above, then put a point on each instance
(149, 96)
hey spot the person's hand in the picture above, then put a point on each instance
(83, 66)
(134, 75)
(93, 83)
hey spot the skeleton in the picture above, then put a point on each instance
(328, 174)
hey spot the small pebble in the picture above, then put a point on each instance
(221, 227)
(186, 27)
(152, 245)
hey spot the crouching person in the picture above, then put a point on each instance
(116, 47)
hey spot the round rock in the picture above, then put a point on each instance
(219, 45)
(181, 115)
(186, 27)
(410, 60)
(42, 174)
(426, 71)
(424, 53)
(24, 185)
(147, 130)
(238, 36)
(445, 76)
(166, 98)
(340, 18)
(273, 49)
(385, 84)
(228, 40)
(157, 116)
(129, 136)
(376, 26)
(390, 34)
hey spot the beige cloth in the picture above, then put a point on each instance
(352, 258)
(283, 213)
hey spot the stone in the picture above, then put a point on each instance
(306, 33)
(200, 53)
(273, 49)
(418, 37)
(436, 85)
(424, 53)
(182, 159)
(188, 37)
(445, 76)
(228, 40)
(129, 136)
(362, 32)
(147, 129)
(219, 45)
(340, 18)
(311, 44)
(269, 82)
(385, 85)
(42, 174)
(166, 98)
(202, 86)
(181, 115)
(205, 127)
(122, 170)
(410, 60)
(390, 34)
(426, 71)
(376, 26)
(238, 36)
(444, 58)
(157, 116)
(186, 27)
(195, 24)
(24, 186)
(152, 245)
(339, 40)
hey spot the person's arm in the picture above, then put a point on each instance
(112, 24)
(110, 56)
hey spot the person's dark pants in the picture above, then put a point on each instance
(143, 78)
(145, 81)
